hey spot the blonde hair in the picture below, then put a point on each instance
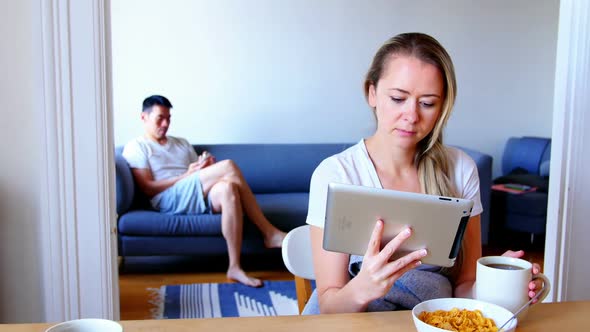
(434, 165)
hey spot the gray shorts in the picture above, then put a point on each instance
(185, 197)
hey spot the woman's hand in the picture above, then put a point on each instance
(377, 273)
(535, 285)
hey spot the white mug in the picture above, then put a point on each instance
(505, 281)
(87, 325)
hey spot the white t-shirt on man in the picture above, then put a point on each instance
(164, 161)
(353, 166)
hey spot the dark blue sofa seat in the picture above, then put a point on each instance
(279, 175)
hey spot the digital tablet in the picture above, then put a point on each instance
(438, 223)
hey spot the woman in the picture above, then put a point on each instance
(411, 88)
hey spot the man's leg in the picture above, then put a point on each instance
(227, 170)
(224, 197)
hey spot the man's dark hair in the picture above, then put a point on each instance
(155, 100)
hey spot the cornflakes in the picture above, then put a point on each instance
(460, 320)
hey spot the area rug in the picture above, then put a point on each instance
(208, 300)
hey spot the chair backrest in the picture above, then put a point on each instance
(297, 253)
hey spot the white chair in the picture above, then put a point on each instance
(298, 260)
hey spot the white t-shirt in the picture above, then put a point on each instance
(353, 166)
(164, 161)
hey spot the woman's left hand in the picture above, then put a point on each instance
(535, 285)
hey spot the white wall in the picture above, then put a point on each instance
(20, 292)
(292, 70)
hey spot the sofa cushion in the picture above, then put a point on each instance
(149, 223)
(275, 168)
(285, 211)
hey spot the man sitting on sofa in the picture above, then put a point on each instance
(177, 181)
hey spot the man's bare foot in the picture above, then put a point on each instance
(275, 240)
(237, 274)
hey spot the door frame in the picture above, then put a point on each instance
(572, 69)
(78, 220)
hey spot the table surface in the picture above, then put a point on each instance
(565, 316)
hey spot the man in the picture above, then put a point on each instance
(168, 170)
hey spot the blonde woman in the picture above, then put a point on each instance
(411, 89)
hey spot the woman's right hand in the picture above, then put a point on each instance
(378, 273)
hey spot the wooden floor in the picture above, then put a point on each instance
(135, 294)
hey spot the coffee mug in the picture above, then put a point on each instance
(87, 325)
(505, 281)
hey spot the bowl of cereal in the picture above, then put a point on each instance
(456, 314)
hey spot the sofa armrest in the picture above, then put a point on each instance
(484, 169)
(124, 183)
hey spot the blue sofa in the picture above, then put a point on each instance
(279, 175)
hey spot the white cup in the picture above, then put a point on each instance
(87, 325)
(508, 288)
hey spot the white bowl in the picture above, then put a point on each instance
(499, 314)
(87, 325)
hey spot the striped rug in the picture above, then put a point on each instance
(224, 300)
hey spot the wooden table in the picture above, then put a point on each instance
(565, 316)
